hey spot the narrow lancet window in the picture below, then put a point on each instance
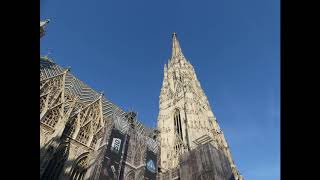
(177, 123)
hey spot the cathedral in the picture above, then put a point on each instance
(185, 119)
(85, 136)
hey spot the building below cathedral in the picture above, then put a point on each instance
(84, 136)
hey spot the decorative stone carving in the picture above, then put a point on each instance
(195, 111)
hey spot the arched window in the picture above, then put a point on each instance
(94, 142)
(79, 169)
(83, 135)
(55, 166)
(177, 123)
(52, 118)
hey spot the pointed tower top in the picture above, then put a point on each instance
(42, 25)
(176, 50)
(45, 22)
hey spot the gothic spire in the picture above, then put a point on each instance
(176, 50)
(42, 25)
(45, 22)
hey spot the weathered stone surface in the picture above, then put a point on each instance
(185, 118)
(76, 122)
(75, 125)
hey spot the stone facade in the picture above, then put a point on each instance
(185, 118)
(75, 126)
(72, 123)
(134, 159)
(76, 123)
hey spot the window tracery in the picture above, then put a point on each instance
(42, 103)
(52, 117)
(83, 135)
(94, 141)
(177, 123)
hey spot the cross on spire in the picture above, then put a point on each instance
(176, 50)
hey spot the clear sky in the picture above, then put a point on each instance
(120, 47)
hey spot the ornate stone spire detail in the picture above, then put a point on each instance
(176, 49)
(185, 116)
(42, 25)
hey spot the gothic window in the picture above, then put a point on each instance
(177, 123)
(55, 166)
(52, 118)
(83, 135)
(79, 169)
(94, 142)
(44, 88)
(42, 102)
(95, 124)
(48, 118)
(81, 116)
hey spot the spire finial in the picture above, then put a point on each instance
(174, 34)
(176, 50)
(68, 69)
(42, 25)
(45, 22)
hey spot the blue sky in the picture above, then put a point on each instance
(120, 47)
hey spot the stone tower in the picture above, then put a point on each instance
(185, 118)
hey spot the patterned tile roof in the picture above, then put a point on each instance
(87, 95)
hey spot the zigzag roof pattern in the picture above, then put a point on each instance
(86, 95)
